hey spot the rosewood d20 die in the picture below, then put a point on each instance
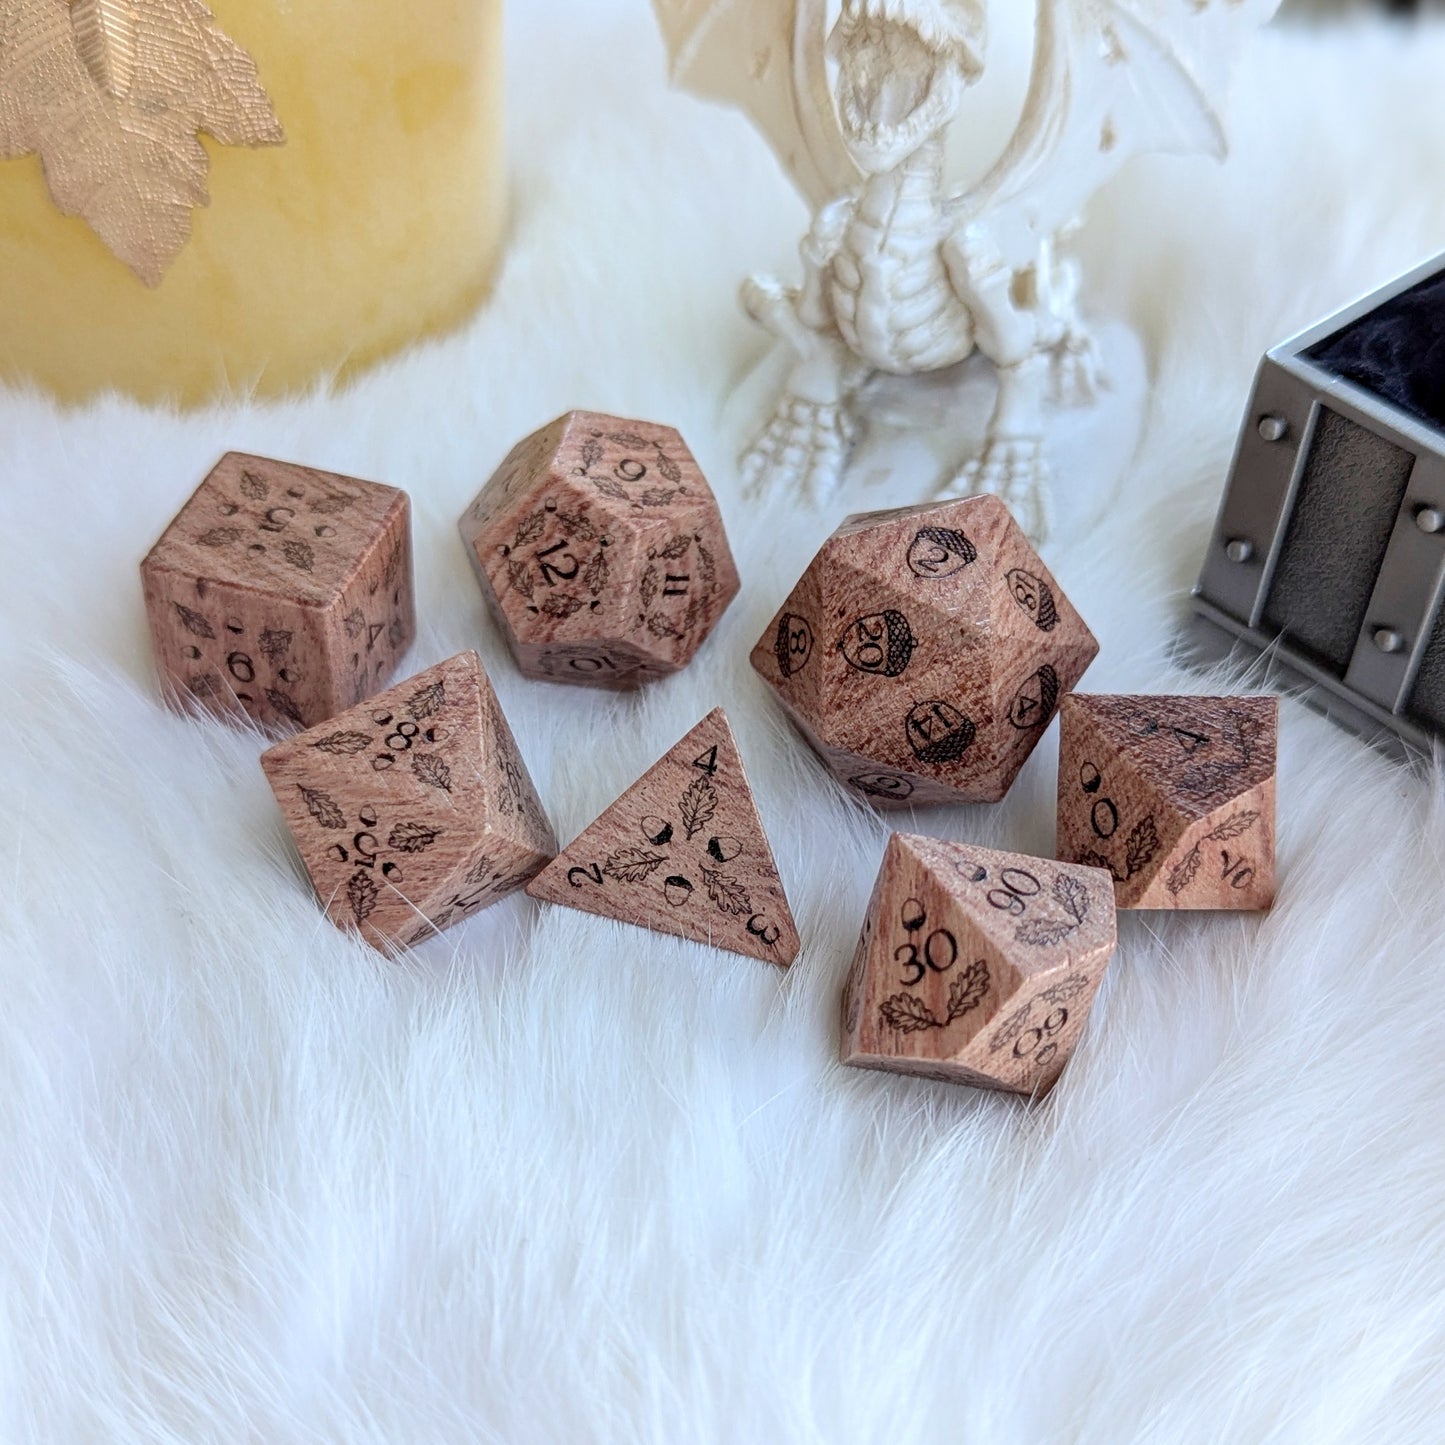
(976, 967)
(600, 549)
(1175, 796)
(683, 851)
(280, 593)
(415, 809)
(924, 652)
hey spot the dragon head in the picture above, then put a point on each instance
(903, 66)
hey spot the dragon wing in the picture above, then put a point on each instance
(1112, 79)
(768, 58)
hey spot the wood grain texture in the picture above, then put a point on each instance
(975, 966)
(600, 549)
(280, 593)
(923, 652)
(1175, 796)
(413, 810)
(683, 851)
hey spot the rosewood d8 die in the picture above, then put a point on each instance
(683, 851)
(415, 809)
(281, 593)
(976, 967)
(600, 548)
(924, 651)
(1175, 796)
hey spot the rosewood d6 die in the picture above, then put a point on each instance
(976, 967)
(924, 651)
(1175, 796)
(683, 851)
(281, 593)
(600, 548)
(415, 809)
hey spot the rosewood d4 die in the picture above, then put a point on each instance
(413, 810)
(1175, 796)
(976, 967)
(683, 851)
(281, 593)
(600, 549)
(924, 652)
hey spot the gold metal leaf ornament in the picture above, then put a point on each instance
(111, 94)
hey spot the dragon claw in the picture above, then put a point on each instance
(804, 447)
(1016, 472)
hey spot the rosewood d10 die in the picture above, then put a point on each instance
(976, 967)
(415, 809)
(281, 593)
(600, 548)
(924, 651)
(683, 851)
(1175, 796)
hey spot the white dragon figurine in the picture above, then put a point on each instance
(903, 275)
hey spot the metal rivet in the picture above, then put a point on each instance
(1238, 549)
(1273, 428)
(1388, 640)
(1430, 519)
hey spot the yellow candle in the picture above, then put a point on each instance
(377, 221)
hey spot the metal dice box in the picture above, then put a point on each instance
(1329, 551)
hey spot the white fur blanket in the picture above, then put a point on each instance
(561, 1180)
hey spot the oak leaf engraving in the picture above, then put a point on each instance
(1044, 932)
(729, 895)
(330, 506)
(907, 1014)
(1233, 827)
(662, 626)
(609, 488)
(562, 604)
(578, 526)
(628, 439)
(1184, 872)
(193, 622)
(343, 744)
(413, 837)
(967, 990)
(669, 468)
(698, 805)
(1072, 896)
(657, 496)
(322, 807)
(591, 453)
(431, 769)
(594, 574)
(1010, 1028)
(482, 869)
(530, 527)
(220, 537)
(1141, 847)
(285, 704)
(519, 578)
(647, 587)
(361, 895)
(632, 865)
(677, 547)
(275, 643)
(427, 701)
(298, 554)
(254, 486)
(1065, 989)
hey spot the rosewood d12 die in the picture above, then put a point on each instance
(924, 651)
(683, 851)
(1329, 551)
(413, 810)
(1174, 796)
(600, 549)
(976, 967)
(280, 593)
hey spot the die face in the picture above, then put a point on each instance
(281, 593)
(976, 966)
(938, 648)
(1175, 796)
(412, 810)
(601, 549)
(683, 851)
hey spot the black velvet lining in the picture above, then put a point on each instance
(1397, 351)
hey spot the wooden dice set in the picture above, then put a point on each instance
(922, 654)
